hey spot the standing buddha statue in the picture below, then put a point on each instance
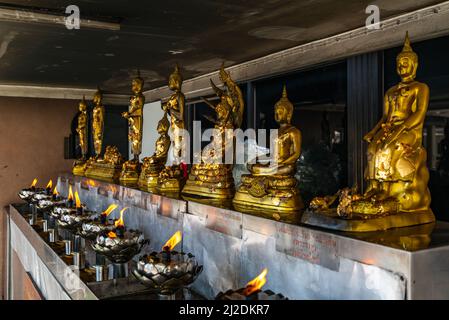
(397, 194)
(271, 189)
(79, 165)
(131, 168)
(171, 178)
(98, 123)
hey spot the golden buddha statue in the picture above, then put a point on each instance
(153, 165)
(98, 122)
(171, 178)
(131, 168)
(79, 166)
(273, 187)
(397, 194)
(212, 177)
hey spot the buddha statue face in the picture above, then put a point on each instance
(97, 98)
(82, 106)
(281, 114)
(283, 110)
(175, 80)
(406, 67)
(137, 85)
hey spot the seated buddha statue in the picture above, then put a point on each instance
(212, 177)
(272, 186)
(153, 165)
(396, 171)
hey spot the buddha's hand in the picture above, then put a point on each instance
(394, 135)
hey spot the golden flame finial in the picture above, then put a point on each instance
(407, 50)
(284, 91)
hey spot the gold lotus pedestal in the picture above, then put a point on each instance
(107, 168)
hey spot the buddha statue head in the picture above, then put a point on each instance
(163, 124)
(137, 84)
(175, 80)
(98, 97)
(283, 109)
(407, 61)
(82, 105)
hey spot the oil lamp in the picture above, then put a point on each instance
(91, 229)
(167, 271)
(252, 291)
(27, 193)
(48, 187)
(119, 245)
(73, 218)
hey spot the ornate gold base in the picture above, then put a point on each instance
(207, 190)
(170, 186)
(280, 209)
(104, 171)
(148, 182)
(129, 176)
(330, 220)
(79, 167)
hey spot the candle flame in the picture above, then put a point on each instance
(77, 200)
(55, 192)
(70, 197)
(111, 208)
(120, 222)
(112, 235)
(256, 284)
(173, 241)
(33, 184)
(49, 184)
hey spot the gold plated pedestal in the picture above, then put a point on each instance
(130, 173)
(330, 220)
(104, 171)
(254, 197)
(210, 181)
(79, 167)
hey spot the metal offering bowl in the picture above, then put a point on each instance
(28, 193)
(47, 202)
(164, 276)
(120, 250)
(91, 229)
(73, 220)
(63, 208)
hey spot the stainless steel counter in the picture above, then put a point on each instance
(303, 262)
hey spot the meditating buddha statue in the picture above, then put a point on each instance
(271, 188)
(131, 168)
(171, 178)
(212, 178)
(397, 194)
(79, 166)
(152, 166)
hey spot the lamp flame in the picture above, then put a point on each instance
(33, 184)
(49, 185)
(120, 222)
(77, 200)
(70, 197)
(172, 242)
(112, 235)
(111, 208)
(55, 192)
(256, 284)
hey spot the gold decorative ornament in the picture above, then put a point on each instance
(212, 178)
(152, 166)
(79, 166)
(397, 194)
(271, 190)
(131, 168)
